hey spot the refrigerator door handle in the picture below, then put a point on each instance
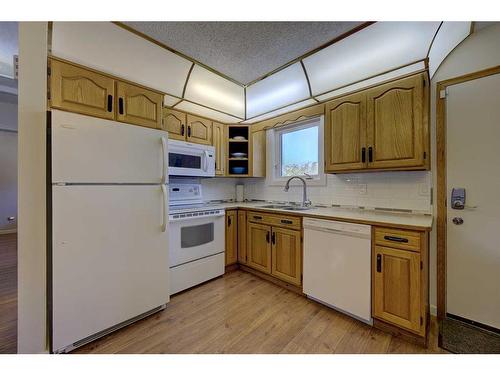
(165, 208)
(165, 160)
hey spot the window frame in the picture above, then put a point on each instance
(274, 148)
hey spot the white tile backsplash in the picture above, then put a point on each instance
(394, 190)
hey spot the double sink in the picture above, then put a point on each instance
(287, 207)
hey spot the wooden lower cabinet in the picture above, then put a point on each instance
(259, 247)
(400, 279)
(397, 286)
(231, 237)
(274, 246)
(242, 237)
(286, 259)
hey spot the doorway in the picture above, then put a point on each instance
(8, 186)
(468, 132)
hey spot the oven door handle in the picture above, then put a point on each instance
(185, 218)
(165, 208)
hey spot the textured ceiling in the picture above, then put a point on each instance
(243, 51)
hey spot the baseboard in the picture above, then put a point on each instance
(8, 231)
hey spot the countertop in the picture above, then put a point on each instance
(355, 215)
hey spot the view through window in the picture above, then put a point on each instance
(299, 151)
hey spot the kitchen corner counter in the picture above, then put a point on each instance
(410, 221)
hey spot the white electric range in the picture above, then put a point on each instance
(196, 238)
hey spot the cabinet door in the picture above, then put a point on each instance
(259, 247)
(174, 122)
(395, 124)
(242, 236)
(396, 288)
(219, 143)
(345, 133)
(199, 130)
(286, 255)
(231, 237)
(139, 106)
(79, 90)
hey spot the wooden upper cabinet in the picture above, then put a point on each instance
(395, 126)
(396, 288)
(76, 89)
(139, 106)
(231, 237)
(345, 133)
(199, 130)
(259, 247)
(242, 236)
(286, 255)
(174, 122)
(218, 137)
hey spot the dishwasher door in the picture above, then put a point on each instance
(337, 266)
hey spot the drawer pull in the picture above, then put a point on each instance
(396, 239)
(257, 217)
(284, 221)
(379, 263)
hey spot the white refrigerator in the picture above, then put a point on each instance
(109, 262)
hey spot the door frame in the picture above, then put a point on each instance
(441, 179)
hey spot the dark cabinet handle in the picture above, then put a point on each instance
(267, 237)
(189, 131)
(363, 155)
(370, 154)
(273, 238)
(396, 239)
(120, 106)
(229, 221)
(379, 263)
(110, 103)
(182, 129)
(283, 221)
(257, 217)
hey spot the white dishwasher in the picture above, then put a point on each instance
(337, 266)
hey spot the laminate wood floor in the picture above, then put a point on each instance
(241, 313)
(8, 293)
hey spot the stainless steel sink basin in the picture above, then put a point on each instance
(297, 208)
(280, 206)
(285, 207)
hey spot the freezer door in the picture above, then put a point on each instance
(92, 150)
(109, 258)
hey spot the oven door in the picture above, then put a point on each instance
(189, 159)
(193, 238)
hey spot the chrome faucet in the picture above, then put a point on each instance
(305, 202)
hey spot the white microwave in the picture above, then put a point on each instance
(190, 159)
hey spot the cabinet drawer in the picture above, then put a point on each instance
(400, 239)
(274, 220)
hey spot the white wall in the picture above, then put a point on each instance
(8, 162)
(477, 52)
(31, 324)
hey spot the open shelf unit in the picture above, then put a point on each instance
(238, 166)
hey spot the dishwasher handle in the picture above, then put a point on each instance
(338, 231)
